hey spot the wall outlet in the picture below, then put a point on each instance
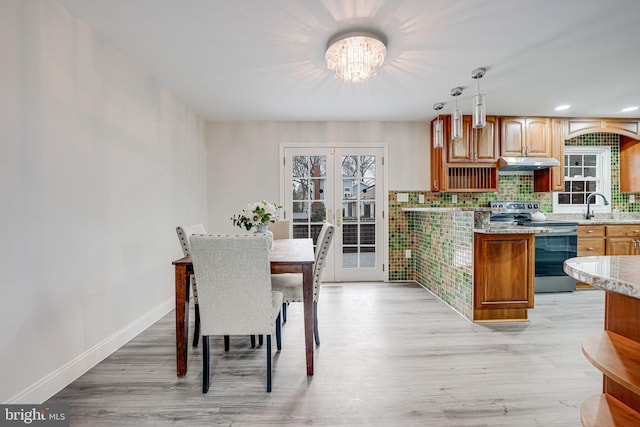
(402, 197)
(454, 198)
(407, 253)
(420, 198)
(632, 198)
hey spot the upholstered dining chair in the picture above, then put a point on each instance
(290, 284)
(280, 229)
(184, 231)
(234, 291)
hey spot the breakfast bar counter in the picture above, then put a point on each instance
(482, 269)
(616, 350)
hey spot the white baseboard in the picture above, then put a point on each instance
(51, 384)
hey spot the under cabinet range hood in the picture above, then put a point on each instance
(524, 164)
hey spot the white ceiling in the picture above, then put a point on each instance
(264, 59)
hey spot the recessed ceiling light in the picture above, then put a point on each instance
(626, 110)
(563, 107)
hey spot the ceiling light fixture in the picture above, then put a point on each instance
(479, 109)
(438, 129)
(354, 56)
(563, 107)
(628, 109)
(456, 117)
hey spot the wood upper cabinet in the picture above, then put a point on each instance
(552, 179)
(625, 127)
(503, 276)
(525, 136)
(476, 145)
(437, 158)
(629, 165)
(463, 174)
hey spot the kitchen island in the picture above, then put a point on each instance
(483, 270)
(616, 350)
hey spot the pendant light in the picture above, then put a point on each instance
(438, 128)
(456, 117)
(479, 108)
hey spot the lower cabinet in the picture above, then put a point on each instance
(591, 242)
(613, 239)
(623, 240)
(503, 276)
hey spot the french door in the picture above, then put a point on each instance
(344, 186)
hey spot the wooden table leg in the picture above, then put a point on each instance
(307, 292)
(182, 318)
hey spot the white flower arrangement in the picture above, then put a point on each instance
(256, 214)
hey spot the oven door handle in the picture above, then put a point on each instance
(559, 232)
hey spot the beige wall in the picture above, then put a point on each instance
(243, 164)
(98, 165)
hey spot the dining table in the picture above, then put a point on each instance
(285, 256)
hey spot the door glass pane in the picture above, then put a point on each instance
(367, 256)
(300, 212)
(349, 166)
(300, 166)
(309, 181)
(300, 189)
(318, 212)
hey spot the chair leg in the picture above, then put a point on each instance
(253, 341)
(315, 323)
(268, 363)
(278, 334)
(226, 343)
(284, 312)
(196, 331)
(260, 339)
(205, 364)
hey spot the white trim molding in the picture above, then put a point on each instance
(57, 380)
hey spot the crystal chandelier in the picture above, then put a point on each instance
(355, 56)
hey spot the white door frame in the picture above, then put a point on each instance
(385, 191)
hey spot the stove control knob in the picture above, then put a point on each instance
(536, 206)
(529, 206)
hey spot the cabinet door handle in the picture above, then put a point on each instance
(590, 248)
(338, 217)
(589, 231)
(435, 184)
(330, 216)
(636, 231)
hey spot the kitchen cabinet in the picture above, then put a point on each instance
(623, 240)
(627, 127)
(591, 242)
(437, 156)
(629, 165)
(525, 136)
(503, 276)
(476, 145)
(610, 239)
(552, 179)
(470, 176)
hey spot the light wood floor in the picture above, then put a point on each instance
(391, 355)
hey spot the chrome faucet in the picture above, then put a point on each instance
(589, 215)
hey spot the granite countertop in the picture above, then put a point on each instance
(619, 274)
(604, 221)
(598, 219)
(510, 228)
